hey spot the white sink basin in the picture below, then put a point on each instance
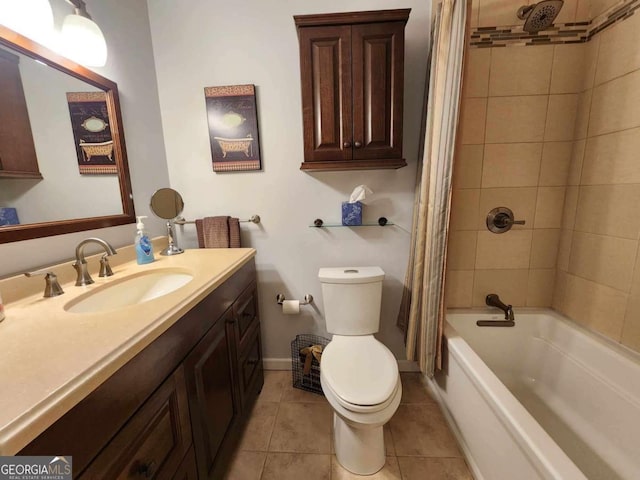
(131, 290)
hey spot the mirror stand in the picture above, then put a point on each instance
(166, 203)
(172, 248)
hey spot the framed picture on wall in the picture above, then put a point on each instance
(92, 132)
(233, 128)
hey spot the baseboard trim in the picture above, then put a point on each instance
(408, 366)
(276, 363)
(285, 364)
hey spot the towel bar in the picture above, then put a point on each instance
(182, 221)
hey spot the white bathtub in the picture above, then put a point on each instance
(542, 400)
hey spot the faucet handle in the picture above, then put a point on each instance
(52, 287)
(105, 268)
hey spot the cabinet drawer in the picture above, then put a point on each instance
(245, 312)
(153, 442)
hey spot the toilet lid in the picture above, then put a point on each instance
(359, 369)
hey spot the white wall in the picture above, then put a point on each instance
(254, 41)
(130, 65)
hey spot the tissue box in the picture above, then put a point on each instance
(8, 216)
(351, 213)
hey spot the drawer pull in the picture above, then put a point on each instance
(147, 470)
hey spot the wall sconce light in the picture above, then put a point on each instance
(81, 39)
(31, 18)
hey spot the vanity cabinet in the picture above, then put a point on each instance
(352, 81)
(17, 150)
(176, 410)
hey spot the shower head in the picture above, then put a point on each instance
(539, 15)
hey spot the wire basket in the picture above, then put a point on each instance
(311, 381)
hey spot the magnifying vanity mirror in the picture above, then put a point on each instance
(166, 203)
(63, 163)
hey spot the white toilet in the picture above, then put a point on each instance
(359, 375)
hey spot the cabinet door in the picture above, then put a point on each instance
(153, 442)
(17, 150)
(187, 469)
(213, 401)
(378, 79)
(325, 66)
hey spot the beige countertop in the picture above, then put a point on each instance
(51, 359)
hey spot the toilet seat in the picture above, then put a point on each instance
(376, 415)
(361, 408)
(361, 373)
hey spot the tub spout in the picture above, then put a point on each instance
(493, 300)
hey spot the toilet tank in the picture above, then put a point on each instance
(352, 298)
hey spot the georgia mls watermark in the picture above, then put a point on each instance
(36, 468)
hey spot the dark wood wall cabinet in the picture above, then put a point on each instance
(177, 409)
(17, 150)
(352, 74)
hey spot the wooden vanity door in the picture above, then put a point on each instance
(213, 400)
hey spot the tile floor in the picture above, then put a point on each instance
(289, 437)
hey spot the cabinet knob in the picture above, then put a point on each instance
(346, 144)
(147, 470)
(357, 144)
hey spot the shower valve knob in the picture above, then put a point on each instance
(501, 219)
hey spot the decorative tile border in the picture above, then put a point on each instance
(562, 33)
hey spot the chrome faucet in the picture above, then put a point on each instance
(493, 300)
(81, 264)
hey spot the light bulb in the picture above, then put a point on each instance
(31, 18)
(82, 41)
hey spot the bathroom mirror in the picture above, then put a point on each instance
(167, 203)
(76, 176)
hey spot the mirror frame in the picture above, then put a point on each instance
(9, 38)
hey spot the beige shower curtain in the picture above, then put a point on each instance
(422, 310)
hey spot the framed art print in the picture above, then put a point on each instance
(92, 132)
(233, 128)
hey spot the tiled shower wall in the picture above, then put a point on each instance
(598, 282)
(552, 132)
(515, 142)
(490, 13)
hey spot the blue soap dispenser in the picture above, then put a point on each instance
(144, 248)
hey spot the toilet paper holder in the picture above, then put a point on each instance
(308, 298)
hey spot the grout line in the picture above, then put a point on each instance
(275, 420)
(264, 463)
(598, 283)
(605, 235)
